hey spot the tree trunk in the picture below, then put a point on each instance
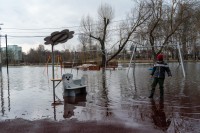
(155, 56)
(103, 56)
(103, 63)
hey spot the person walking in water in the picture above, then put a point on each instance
(158, 73)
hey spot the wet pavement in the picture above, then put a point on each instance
(114, 101)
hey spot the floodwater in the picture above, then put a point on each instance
(112, 97)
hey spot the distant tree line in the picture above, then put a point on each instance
(40, 55)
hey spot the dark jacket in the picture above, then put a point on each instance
(159, 70)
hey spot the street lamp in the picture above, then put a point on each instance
(0, 47)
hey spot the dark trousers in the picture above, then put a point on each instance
(155, 82)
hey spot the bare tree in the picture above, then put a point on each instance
(41, 55)
(83, 39)
(99, 31)
(189, 28)
(137, 17)
(196, 19)
(102, 33)
(165, 21)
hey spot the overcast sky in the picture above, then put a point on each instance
(31, 17)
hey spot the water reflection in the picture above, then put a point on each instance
(132, 87)
(134, 81)
(2, 95)
(105, 95)
(70, 104)
(9, 107)
(27, 94)
(55, 104)
(158, 115)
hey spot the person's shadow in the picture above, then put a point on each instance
(158, 115)
(71, 102)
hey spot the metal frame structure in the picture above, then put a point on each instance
(179, 50)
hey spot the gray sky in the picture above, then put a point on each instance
(42, 17)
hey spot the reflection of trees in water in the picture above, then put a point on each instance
(183, 116)
(177, 122)
(105, 100)
(98, 102)
(162, 116)
(182, 107)
(91, 79)
(181, 124)
(172, 118)
(138, 111)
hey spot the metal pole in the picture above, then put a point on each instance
(73, 61)
(53, 74)
(6, 53)
(0, 49)
(131, 59)
(179, 50)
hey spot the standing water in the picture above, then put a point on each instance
(112, 97)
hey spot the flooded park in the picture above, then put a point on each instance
(92, 66)
(113, 98)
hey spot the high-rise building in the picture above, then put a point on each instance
(15, 50)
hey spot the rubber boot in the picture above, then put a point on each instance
(151, 96)
(161, 96)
